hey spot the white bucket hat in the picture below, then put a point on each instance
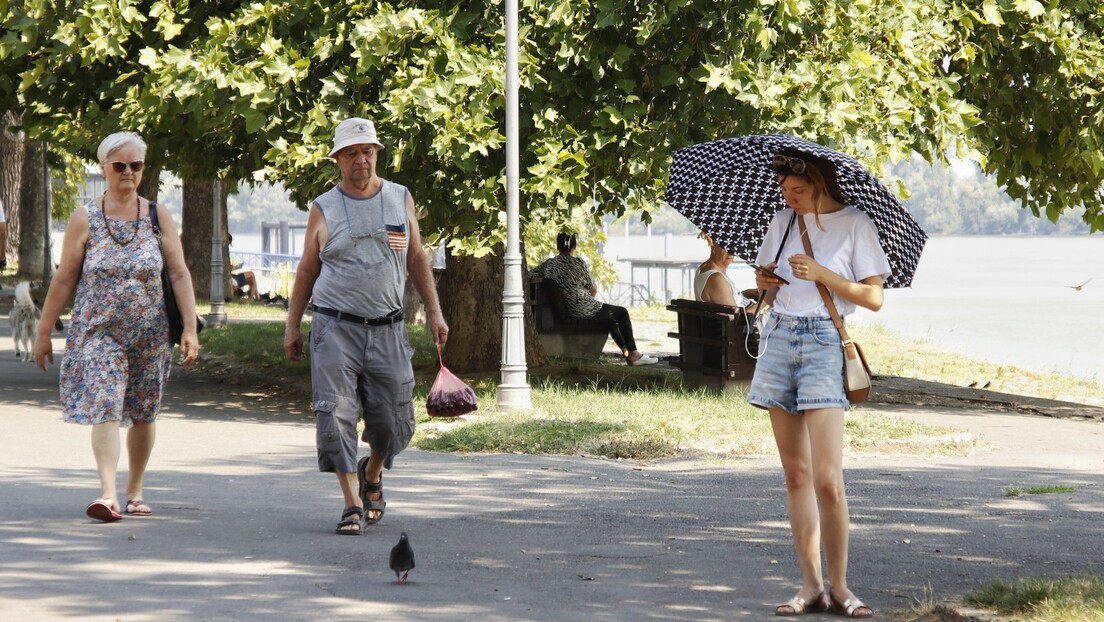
(354, 131)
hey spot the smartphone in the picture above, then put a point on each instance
(770, 272)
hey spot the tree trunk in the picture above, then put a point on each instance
(413, 309)
(471, 299)
(198, 223)
(151, 179)
(12, 146)
(32, 213)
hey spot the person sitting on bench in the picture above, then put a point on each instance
(577, 288)
(712, 283)
(243, 279)
(240, 279)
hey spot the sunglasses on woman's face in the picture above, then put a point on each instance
(119, 167)
(796, 165)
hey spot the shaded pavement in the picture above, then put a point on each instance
(243, 524)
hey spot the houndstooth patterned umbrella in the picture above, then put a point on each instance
(728, 189)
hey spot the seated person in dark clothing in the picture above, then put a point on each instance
(577, 289)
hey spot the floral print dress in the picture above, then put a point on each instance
(117, 350)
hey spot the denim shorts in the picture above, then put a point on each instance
(800, 365)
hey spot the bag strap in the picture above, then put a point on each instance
(785, 235)
(846, 339)
(763, 293)
(154, 224)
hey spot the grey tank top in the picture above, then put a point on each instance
(364, 260)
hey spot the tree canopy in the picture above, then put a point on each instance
(609, 88)
(1033, 71)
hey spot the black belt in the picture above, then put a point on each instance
(384, 320)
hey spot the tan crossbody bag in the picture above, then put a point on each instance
(856, 373)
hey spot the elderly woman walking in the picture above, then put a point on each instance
(118, 351)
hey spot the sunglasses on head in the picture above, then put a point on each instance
(797, 165)
(119, 167)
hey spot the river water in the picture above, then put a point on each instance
(1008, 300)
(1002, 299)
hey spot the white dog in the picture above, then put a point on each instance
(24, 321)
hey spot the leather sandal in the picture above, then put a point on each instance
(850, 608)
(366, 490)
(798, 606)
(352, 516)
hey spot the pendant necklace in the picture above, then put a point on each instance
(107, 222)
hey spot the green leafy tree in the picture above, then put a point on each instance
(1033, 72)
(609, 88)
(244, 89)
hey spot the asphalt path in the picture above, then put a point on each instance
(243, 523)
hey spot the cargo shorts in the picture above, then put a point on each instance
(360, 371)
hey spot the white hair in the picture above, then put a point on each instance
(118, 141)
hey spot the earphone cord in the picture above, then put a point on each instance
(762, 294)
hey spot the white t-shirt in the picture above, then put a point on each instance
(1, 211)
(848, 246)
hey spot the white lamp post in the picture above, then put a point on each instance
(217, 316)
(513, 392)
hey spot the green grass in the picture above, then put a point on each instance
(892, 356)
(580, 408)
(1070, 599)
(1037, 490)
(254, 345)
(242, 309)
(606, 416)
(595, 408)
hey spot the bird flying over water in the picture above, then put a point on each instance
(1077, 288)
(402, 558)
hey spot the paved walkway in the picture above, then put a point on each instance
(244, 523)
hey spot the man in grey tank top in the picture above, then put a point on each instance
(362, 241)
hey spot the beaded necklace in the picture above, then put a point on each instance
(107, 222)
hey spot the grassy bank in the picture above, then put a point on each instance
(1070, 599)
(591, 408)
(603, 409)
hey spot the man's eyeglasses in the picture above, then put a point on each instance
(796, 165)
(119, 167)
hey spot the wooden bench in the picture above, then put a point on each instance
(561, 335)
(713, 346)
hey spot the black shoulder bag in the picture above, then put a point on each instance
(176, 320)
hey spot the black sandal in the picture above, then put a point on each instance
(367, 489)
(351, 516)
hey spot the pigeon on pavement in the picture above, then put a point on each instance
(402, 558)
